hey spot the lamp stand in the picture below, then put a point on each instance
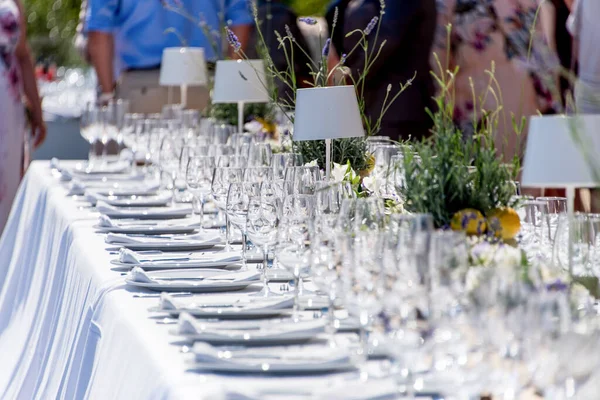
(570, 216)
(240, 117)
(327, 159)
(183, 96)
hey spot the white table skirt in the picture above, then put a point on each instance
(70, 329)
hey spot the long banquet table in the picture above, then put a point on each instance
(69, 326)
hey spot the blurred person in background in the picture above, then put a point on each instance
(17, 78)
(408, 28)
(126, 40)
(497, 33)
(275, 15)
(584, 25)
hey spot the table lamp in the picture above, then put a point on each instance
(240, 81)
(327, 113)
(183, 67)
(563, 152)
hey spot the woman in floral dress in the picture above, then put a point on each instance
(498, 33)
(16, 78)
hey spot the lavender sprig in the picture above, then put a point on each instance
(326, 48)
(233, 40)
(371, 26)
(308, 20)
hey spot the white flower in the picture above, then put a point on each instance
(253, 126)
(313, 163)
(338, 173)
(371, 184)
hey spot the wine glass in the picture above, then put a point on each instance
(258, 174)
(169, 162)
(223, 177)
(370, 213)
(302, 179)
(238, 199)
(199, 175)
(234, 161)
(293, 250)
(328, 202)
(263, 220)
(281, 161)
(132, 124)
(120, 107)
(259, 155)
(89, 129)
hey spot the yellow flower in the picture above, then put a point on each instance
(268, 126)
(470, 221)
(504, 223)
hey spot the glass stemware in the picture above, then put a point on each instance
(223, 177)
(264, 215)
(258, 174)
(90, 130)
(302, 179)
(169, 162)
(238, 199)
(281, 161)
(259, 155)
(199, 176)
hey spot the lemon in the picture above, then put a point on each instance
(469, 220)
(504, 223)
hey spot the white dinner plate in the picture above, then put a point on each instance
(189, 281)
(179, 211)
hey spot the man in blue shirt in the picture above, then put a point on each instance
(126, 39)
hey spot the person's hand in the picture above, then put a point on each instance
(38, 128)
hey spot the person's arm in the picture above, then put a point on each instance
(23, 54)
(101, 51)
(100, 23)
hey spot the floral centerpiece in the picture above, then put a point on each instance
(460, 180)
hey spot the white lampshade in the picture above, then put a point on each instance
(555, 155)
(240, 81)
(183, 66)
(327, 113)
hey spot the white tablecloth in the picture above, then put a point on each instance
(70, 329)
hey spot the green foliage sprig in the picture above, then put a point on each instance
(449, 172)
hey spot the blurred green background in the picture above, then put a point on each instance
(51, 26)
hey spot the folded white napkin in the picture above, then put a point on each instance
(273, 355)
(168, 302)
(197, 239)
(132, 257)
(137, 274)
(77, 187)
(94, 197)
(104, 208)
(106, 222)
(188, 325)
